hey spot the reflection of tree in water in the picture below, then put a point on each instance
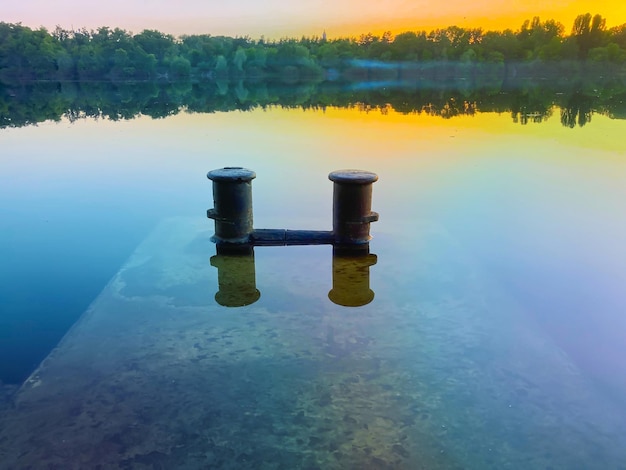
(617, 110)
(526, 102)
(451, 108)
(577, 110)
(525, 115)
(368, 108)
(534, 105)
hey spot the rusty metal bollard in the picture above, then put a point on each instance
(352, 203)
(236, 237)
(232, 212)
(232, 204)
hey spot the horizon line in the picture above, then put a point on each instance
(393, 28)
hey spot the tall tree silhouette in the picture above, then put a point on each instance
(589, 32)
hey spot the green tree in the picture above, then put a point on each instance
(609, 53)
(410, 46)
(589, 32)
(256, 60)
(540, 39)
(617, 35)
(221, 67)
(156, 43)
(501, 46)
(328, 55)
(180, 67)
(239, 59)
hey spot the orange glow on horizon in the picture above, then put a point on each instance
(613, 11)
(277, 19)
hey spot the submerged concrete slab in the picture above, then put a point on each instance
(157, 375)
(440, 371)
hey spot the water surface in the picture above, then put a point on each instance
(493, 339)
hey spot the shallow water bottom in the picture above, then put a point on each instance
(439, 371)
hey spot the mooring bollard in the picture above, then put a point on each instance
(236, 237)
(232, 211)
(352, 204)
(232, 204)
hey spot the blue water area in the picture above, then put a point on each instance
(71, 215)
(440, 369)
(55, 263)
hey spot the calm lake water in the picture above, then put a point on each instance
(495, 338)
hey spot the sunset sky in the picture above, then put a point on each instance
(280, 18)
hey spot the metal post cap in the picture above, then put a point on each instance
(231, 173)
(353, 177)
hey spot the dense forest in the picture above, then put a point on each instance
(538, 48)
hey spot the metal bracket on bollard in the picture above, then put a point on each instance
(232, 212)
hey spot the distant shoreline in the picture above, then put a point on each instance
(536, 49)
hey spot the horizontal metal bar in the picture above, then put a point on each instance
(282, 237)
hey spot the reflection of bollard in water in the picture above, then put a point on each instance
(352, 204)
(232, 204)
(236, 276)
(351, 277)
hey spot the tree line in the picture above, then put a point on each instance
(115, 54)
(36, 102)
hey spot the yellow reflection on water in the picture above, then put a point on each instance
(351, 278)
